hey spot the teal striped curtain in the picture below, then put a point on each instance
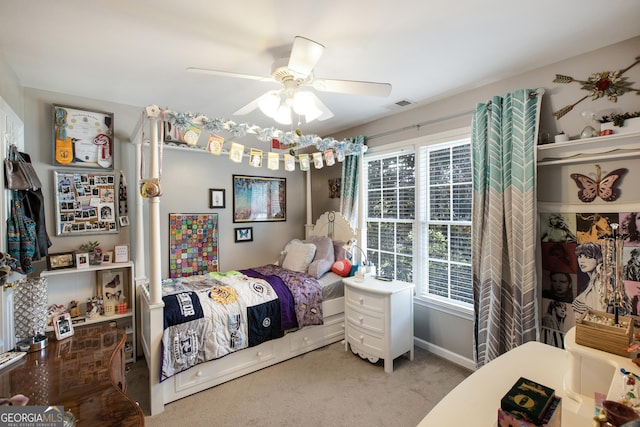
(350, 186)
(504, 135)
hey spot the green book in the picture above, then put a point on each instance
(528, 400)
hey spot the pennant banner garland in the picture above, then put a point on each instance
(191, 125)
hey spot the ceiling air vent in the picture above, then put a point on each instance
(403, 103)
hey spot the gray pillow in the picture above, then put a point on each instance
(324, 258)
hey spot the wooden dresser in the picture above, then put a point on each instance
(84, 373)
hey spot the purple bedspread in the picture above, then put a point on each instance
(305, 291)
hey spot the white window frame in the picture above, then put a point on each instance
(414, 146)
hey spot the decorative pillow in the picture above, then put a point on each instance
(283, 254)
(299, 256)
(324, 257)
(341, 267)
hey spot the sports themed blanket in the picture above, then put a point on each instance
(207, 317)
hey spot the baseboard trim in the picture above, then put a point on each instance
(445, 354)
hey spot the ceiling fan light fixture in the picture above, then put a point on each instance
(283, 115)
(303, 103)
(270, 103)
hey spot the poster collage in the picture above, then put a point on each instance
(85, 202)
(572, 259)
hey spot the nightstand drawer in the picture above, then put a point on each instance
(372, 321)
(366, 301)
(365, 341)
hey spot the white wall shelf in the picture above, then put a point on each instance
(80, 283)
(599, 148)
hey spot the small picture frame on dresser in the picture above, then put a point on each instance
(82, 260)
(121, 253)
(63, 326)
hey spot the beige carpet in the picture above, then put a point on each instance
(326, 387)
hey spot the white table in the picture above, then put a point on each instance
(475, 401)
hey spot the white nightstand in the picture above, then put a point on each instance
(378, 319)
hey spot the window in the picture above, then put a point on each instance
(418, 216)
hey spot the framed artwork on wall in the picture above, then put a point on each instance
(193, 244)
(244, 234)
(82, 138)
(259, 198)
(85, 203)
(216, 198)
(112, 284)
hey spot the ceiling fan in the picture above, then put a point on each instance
(295, 73)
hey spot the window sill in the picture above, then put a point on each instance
(445, 307)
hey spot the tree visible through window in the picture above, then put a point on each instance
(418, 216)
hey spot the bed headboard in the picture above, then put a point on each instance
(333, 225)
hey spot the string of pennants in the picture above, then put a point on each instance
(187, 127)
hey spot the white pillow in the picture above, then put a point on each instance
(299, 256)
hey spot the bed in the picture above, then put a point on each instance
(316, 324)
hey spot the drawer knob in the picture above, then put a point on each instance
(361, 300)
(361, 319)
(199, 374)
(305, 339)
(259, 354)
(361, 338)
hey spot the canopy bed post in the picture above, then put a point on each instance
(309, 224)
(141, 269)
(152, 312)
(361, 230)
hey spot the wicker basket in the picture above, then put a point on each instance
(612, 339)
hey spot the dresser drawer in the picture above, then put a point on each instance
(367, 342)
(370, 321)
(366, 301)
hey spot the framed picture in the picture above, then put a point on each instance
(85, 203)
(193, 244)
(216, 198)
(62, 326)
(107, 257)
(82, 259)
(124, 221)
(121, 253)
(259, 198)
(61, 260)
(244, 234)
(82, 138)
(112, 285)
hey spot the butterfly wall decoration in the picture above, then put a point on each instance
(605, 188)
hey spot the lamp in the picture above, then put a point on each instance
(367, 269)
(278, 104)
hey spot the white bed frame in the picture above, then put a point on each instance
(149, 296)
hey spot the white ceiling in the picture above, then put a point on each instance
(135, 52)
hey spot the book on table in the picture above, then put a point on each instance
(528, 400)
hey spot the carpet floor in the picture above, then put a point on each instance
(326, 387)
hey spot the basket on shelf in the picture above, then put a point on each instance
(604, 334)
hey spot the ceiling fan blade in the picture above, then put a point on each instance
(326, 113)
(229, 74)
(352, 86)
(305, 54)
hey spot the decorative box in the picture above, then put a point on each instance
(553, 417)
(528, 400)
(596, 329)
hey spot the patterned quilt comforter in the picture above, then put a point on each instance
(207, 317)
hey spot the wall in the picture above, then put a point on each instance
(432, 327)
(10, 89)
(187, 177)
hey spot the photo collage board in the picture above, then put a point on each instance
(572, 257)
(85, 203)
